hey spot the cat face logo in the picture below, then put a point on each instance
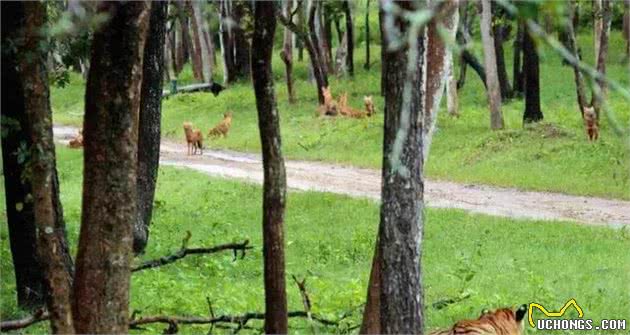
(554, 314)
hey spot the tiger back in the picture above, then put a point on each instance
(503, 321)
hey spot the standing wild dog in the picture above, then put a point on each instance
(504, 321)
(194, 139)
(369, 105)
(590, 123)
(223, 127)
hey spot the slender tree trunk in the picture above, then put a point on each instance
(149, 123)
(492, 79)
(287, 51)
(367, 35)
(463, 38)
(598, 22)
(626, 27)
(315, 53)
(321, 23)
(573, 48)
(350, 38)
(189, 41)
(452, 103)
(517, 70)
(112, 105)
(401, 224)
(275, 184)
(185, 8)
(201, 48)
(227, 42)
(598, 98)
(437, 68)
(29, 274)
(532, 80)
(501, 32)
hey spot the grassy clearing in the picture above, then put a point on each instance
(554, 156)
(497, 261)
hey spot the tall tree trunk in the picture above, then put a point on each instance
(187, 41)
(437, 68)
(112, 104)
(367, 35)
(598, 22)
(28, 79)
(350, 36)
(241, 44)
(371, 323)
(517, 70)
(452, 103)
(29, 275)
(573, 48)
(322, 32)
(201, 48)
(626, 28)
(492, 79)
(463, 38)
(598, 98)
(227, 42)
(275, 184)
(532, 79)
(401, 224)
(501, 33)
(287, 51)
(185, 9)
(149, 123)
(384, 53)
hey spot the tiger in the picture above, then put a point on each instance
(223, 127)
(503, 321)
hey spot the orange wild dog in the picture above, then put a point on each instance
(194, 139)
(504, 321)
(369, 105)
(348, 111)
(330, 105)
(590, 123)
(77, 141)
(223, 127)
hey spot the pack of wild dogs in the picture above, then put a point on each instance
(332, 107)
(194, 136)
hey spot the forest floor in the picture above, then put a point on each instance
(363, 182)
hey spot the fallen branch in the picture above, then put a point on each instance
(184, 251)
(39, 315)
(234, 319)
(306, 301)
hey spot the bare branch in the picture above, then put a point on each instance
(39, 315)
(184, 251)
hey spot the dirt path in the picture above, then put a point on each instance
(357, 182)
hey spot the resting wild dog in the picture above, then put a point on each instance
(330, 105)
(348, 111)
(590, 123)
(77, 141)
(194, 138)
(223, 127)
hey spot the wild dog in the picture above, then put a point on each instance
(369, 105)
(329, 107)
(223, 127)
(590, 123)
(194, 139)
(348, 111)
(77, 141)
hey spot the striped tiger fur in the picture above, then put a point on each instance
(504, 321)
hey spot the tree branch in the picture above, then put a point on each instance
(39, 315)
(184, 251)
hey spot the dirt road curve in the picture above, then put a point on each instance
(356, 182)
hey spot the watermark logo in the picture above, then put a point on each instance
(570, 324)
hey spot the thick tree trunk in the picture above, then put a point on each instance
(384, 53)
(367, 35)
(532, 80)
(149, 123)
(241, 45)
(287, 51)
(275, 184)
(112, 104)
(371, 323)
(437, 68)
(598, 98)
(517, 70)
(401, 224)
(29, 275)
(350, 38)
(27, 78)
(492, 79)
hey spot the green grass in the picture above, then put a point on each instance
(554, 156)
(507, 262)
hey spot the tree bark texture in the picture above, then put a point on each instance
(274, 185)
(492, 78)
(367, 35)
(437, 57)
(242, 48)
(572, 45)
(287, 51)
(531, 70)
(401, 224)
(598, 98)
(149, 123)
(350, 38)
(501, 33)
(112, 105)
